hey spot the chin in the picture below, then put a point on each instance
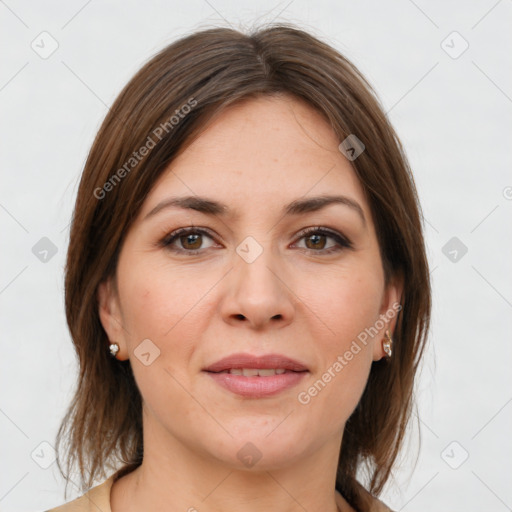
(264, 445)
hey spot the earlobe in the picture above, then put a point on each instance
(390, 308)
(102, 294)
(109, 313)
(392, 303)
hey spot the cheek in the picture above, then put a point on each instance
(158, 300)
(161, 306)
(167, 306)
(345, 303)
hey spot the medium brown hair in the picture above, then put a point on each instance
(215, 68)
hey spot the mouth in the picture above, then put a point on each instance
(255, 372)
(248, 362)
(257, 376)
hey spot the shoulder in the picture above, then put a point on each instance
(373, 504)
(364, 502)
(96, 498)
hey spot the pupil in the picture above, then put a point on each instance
(189, 237)
(316, 237)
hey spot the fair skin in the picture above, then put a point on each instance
(296, 298)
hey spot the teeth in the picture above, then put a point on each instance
(267, 372)
(253, 372)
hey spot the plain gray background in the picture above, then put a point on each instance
(452, 109)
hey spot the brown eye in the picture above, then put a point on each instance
(316, 241)
(186, 241)
(191, 241)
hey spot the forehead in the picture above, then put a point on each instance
(260, 153)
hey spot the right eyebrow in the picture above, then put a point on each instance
(214, 208)
(313, 204)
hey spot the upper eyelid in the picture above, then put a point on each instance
(301, 234)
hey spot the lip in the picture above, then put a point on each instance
(241, 360)
(256, 386)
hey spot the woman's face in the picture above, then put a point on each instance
(246, 279)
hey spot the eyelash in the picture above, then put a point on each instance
(343, 242)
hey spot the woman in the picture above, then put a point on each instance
(246, 285)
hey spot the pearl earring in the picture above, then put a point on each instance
(387, 343)
(114, 349)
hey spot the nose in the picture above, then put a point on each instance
(258, 293)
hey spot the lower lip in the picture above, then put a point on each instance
(257, 387)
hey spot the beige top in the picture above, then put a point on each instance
(97, 499)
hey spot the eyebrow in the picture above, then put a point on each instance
(217, 209)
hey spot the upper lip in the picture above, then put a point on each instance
(241, 360)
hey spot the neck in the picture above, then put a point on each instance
(178, 479)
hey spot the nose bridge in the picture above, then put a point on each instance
(255, 258)
(258, 292)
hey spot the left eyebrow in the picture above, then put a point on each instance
(217, 209)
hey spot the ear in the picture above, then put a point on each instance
(390, 308)
(109, 311)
